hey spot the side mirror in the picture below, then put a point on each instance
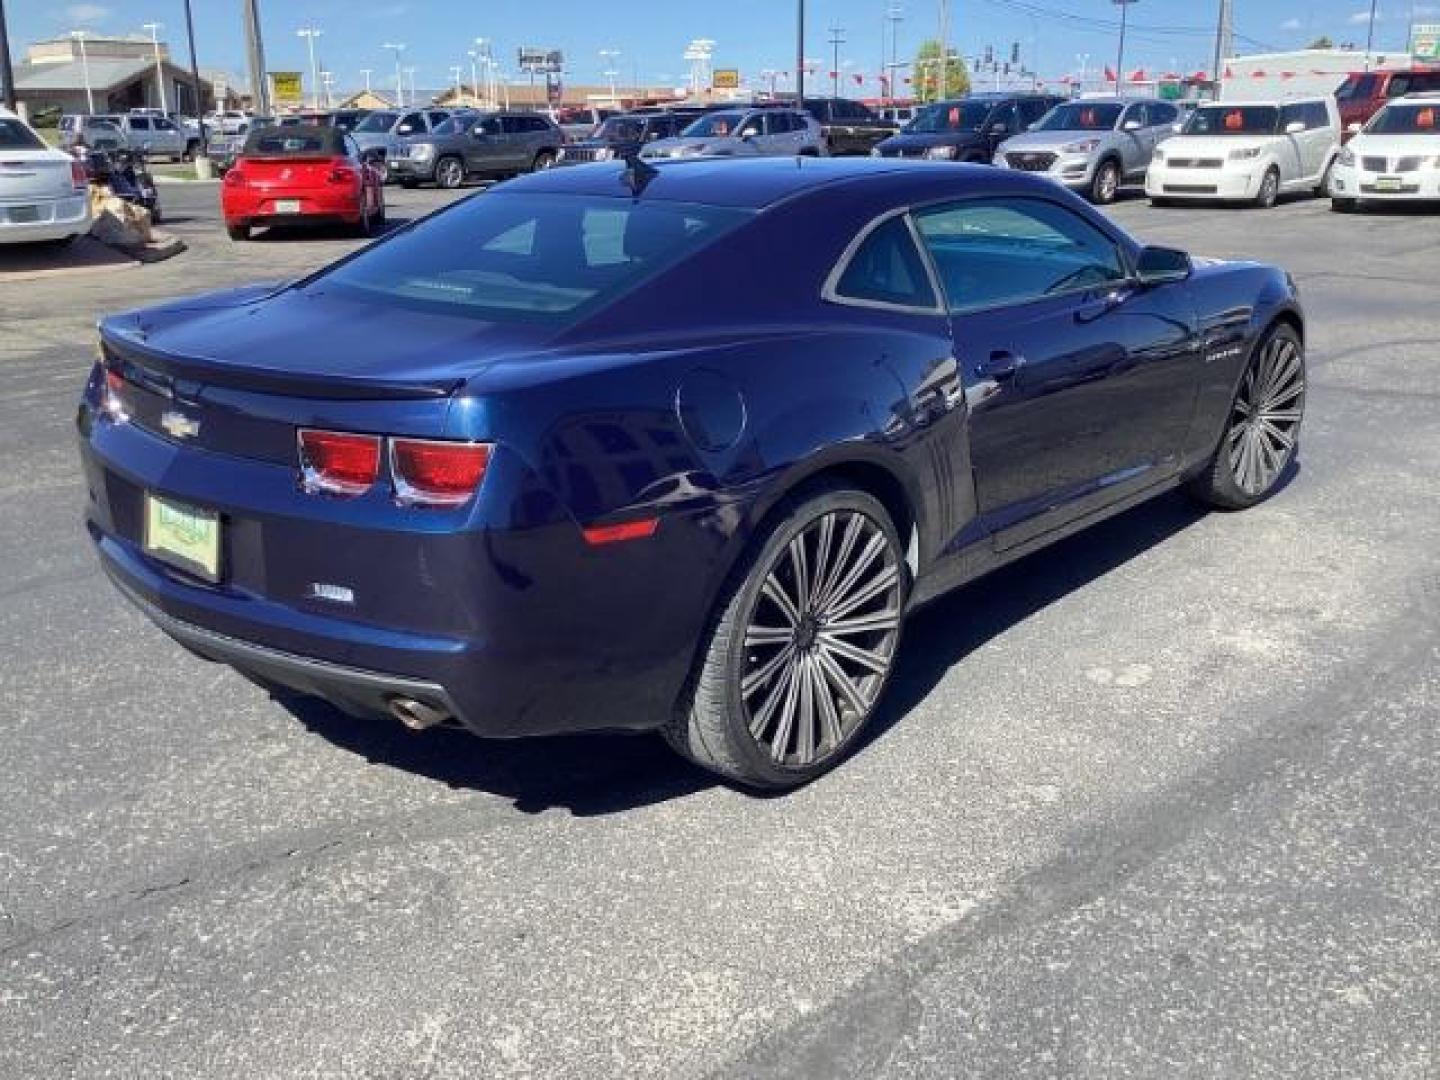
(1177, 128)
(1162, 265)
(405, 129)
(1000, 128)
(1295, 127)
(1353, 129)
(1131, 125)
(749, 133)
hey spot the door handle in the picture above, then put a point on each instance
(1002, 364)
(1101, 305)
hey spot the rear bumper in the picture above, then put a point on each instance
(503, 617)
(57, 219)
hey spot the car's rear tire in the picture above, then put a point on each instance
(1269, 193)
(543, 160)
(1344, 206)
(801, 647)
(238, 232)
(1105, 184)
(1262, 431)
(449, 173)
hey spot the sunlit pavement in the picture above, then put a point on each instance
(1160, 802)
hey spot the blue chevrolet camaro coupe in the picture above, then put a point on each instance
(671, 448)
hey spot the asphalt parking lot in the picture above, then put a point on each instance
(1159, 802)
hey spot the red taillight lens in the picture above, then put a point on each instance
(110, 398)
(235, 177)
(338, 462)
(429, 473)
(342, 174)
(599, 535)
(77, 176)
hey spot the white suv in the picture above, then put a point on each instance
(1248, 151)
(44, 195)
(1395, 157)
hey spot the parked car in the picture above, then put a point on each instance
(478, 145)
(95, 130)
(222, 149)
(848, 127)
(966, 129)
(385, 130)
(580, 122)
(302, 175)
(230, 121)
(1364, 93)
(763, 132)
(153, 133)
(188, 124)
(556, 459)
(1248, 152)
(900, 115)
(44, 192)
(1396, 158)
(348, 119)
(624, 136)
(1095, 146)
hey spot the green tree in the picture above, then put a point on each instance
(1321, 42)
(926, 77)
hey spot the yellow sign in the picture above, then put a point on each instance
(726, 79)
(287, 87)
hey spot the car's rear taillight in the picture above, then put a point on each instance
(338, 462)
(342, 174)
(111, 399)
(428, 472)
(78, 179)
(236, 177)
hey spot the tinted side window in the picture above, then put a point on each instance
(994, 252)
(1030, 111)
(1004, 116)
(887, 269)
(414, 121)
(1399, 84)
(1161, 113)
(1290, 113)
(1426, 81)
(1315, 115)
(139, 123)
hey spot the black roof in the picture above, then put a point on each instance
(300, 140)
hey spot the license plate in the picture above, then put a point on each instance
(20, 214)
(184, 536)
(287, 206)
(1388, 183)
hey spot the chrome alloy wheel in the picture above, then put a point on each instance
(1265, 423)
(821, 638)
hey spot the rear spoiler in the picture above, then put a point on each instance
(166, 373)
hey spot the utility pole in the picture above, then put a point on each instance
(397, 49)
(1120, 55)
(202, 156)
(7, 73)
(800, 53)
(365, 74)
(943, 85)
(459, 86)
(837, 38)
(326, 79)
(309, 33)
(1370, 37)
(410, 71)
(255, 52)
(79, 35)
(1224, 40)
(610, 56)
(894, 16)
(154, 28)
(474, 78)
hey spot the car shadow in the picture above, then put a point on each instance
(606, 773)
(284, 234)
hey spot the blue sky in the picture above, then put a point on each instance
(750, 34)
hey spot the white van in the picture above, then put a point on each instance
(44, 195)
(1248, 151)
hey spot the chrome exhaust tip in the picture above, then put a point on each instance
(416, 715)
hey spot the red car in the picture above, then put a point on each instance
(290, 175)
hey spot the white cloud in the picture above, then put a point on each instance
(1290, 24)
(86, 13)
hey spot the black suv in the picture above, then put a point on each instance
(968, 128)
(849, 126)
(623, 136)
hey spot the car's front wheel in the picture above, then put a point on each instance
(1269, 192)
(1106, 183)
(1262, 432)
(803, 644)
(449, 173)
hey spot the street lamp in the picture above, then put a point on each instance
(309, 33)
(365, 74)
(410, 71)
(154, 28)
(397, 49)
(487, 60)
(79, 36)
(1120, 55)
(459, 86)
(325, 80)
(610, 56)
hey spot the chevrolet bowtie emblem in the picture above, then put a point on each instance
(179, 425)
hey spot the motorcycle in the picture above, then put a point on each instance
(126, 174)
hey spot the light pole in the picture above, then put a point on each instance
(800, 52)
(202, 155)
(154, 28)
(487, 61)
(1120, 54)
(474, 78)
(1370, 37)
(365, 74)
(610, 56)
(410, 71)
(79, 35)
(837, 38)
(7, 73)
(326, 78)
(455, 70)
(894, 16)
(397, 49)
(309, 33)
(1084, 59)
(255, 55)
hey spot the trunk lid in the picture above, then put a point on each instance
(290, 173)
(35, 174)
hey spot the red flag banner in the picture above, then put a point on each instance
(1109, 73)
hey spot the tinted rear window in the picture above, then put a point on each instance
(1357, 87)
(16, 136)
(529, 258)
(294, 141)
(1233, 120)
(1396, 119)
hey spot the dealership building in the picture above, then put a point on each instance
(1299, 73)
(120, 72)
